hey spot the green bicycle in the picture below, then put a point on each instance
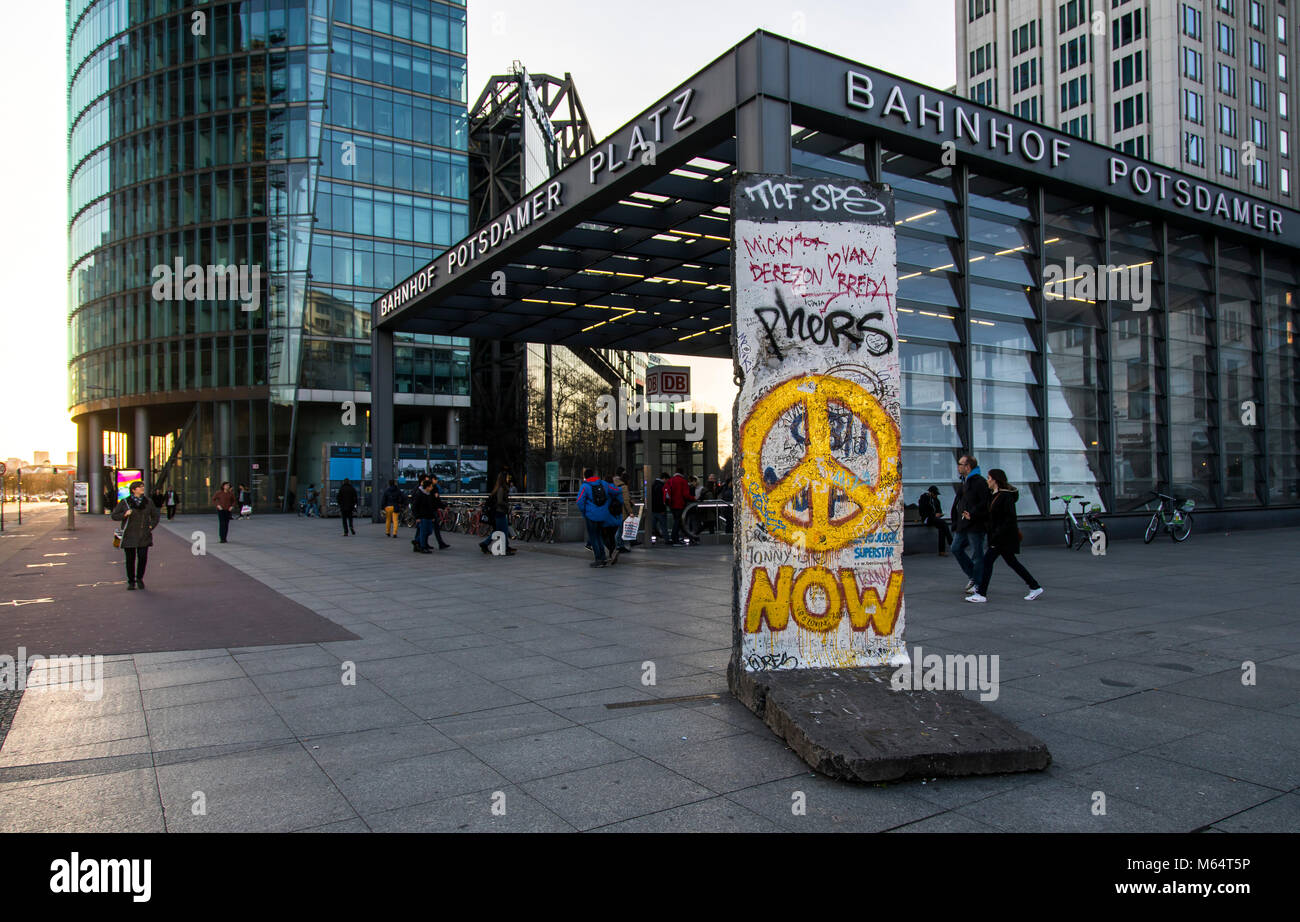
(1170, 516)
(1080, 528)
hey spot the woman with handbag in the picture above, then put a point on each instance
(1004, 537)
(139, 516)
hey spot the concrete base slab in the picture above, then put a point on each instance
(850, 724)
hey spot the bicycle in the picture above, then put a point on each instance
(1171, 518)
(1080, 529)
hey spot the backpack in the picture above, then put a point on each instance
(598, 494)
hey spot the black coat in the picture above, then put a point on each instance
(347, 498)
(139, 524)
(393, 497)
(927, 506)
(1004, 531)
(973, 497)
(422, 504)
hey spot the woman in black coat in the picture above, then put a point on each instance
(1004, 537)
(140, 516)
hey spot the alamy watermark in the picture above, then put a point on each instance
(66, 673)
(632, 413)
(950, 672)
(1085, 282)
(194, 282)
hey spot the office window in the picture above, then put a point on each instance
(1026, 108)
(1077, 127)
(1127, 71)
(1129, 112)
(1193, 148)
(1258, 94)
(1282, 106)
(1281, 67)
(1227, 120)
(1256, 54)
(1074, 93)
(1259, 132)
(1228, 6)
(1284, 181)
(1256, 15)
(1227, 39)
(1135, 146)
(1024, 75)
(1070, 14)
(1074, 52)
(1227, 80)
(1125, 29)
(1191, 22)
(1192, 64)
(1024, 38)
(977, 8)
(1227, 160)
(1259, 172)
(1193, 107)
(1284, 142)
(1281, 28)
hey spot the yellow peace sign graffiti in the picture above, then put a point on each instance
(819, 472)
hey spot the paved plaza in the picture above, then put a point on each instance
(508, 694)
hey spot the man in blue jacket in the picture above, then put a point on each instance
(594, 497)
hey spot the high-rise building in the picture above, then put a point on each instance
(1203, 86)
(304, 152)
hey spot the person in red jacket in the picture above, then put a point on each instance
(678, 494)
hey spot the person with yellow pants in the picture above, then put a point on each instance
(392, 503)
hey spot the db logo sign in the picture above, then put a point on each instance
(674, 380)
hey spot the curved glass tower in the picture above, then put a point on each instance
(244, 177)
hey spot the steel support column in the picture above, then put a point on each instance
(381, 414)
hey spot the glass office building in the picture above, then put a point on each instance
(317, 144)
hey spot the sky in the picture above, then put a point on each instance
(622, 57)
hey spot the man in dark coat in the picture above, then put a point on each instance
(347, 500)
(140, 517)
(969, 516)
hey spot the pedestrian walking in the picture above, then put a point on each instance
(678, 495)
(422, 509)
(622, 509)
(171, 501)
(312, 501)
(498, 503)
(392, 503)
(244, 498)
(439, 504)
(1004, 538)
(932, 515)
(594, 499)
(659, 507)
(224, 499)
(970, 512)
(139, 516)
(347, 503)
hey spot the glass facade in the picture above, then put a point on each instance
(1184, 379)
(320, 141)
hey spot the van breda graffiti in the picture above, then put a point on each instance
(819, 542)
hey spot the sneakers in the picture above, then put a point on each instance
(598, 563)
(975, 597)
(613, 558)
(1033, 594)
(443, 547)
(970, 586)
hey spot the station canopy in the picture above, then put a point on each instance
(628, 247)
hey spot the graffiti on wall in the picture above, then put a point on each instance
(819, 547)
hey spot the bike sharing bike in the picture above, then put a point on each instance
(819, 546)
